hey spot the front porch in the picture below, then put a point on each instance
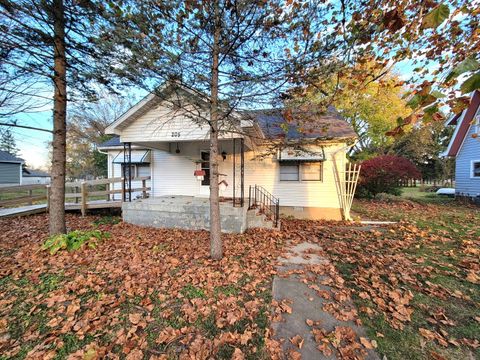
(190, 212)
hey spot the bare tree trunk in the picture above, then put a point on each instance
(216, 251)
(57, 196)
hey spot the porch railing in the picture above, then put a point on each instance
(259, 198)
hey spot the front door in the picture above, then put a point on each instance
(205, 184)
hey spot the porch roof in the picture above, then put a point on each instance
(142, 157)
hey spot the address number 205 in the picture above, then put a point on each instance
(176, 134)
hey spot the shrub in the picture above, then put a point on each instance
(74, 240)
(383, 175)
(107, 220)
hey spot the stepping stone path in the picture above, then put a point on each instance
(306, 286)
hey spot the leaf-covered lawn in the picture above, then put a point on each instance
(151, 293)
(417, 282)
(141, 293)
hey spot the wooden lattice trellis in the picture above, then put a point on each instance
(348, 185)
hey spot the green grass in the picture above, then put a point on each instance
(445, 225)
(426, 197)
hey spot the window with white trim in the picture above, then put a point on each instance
(138, 170)
(475, 169)
(301, 171)
(126, 170)
(476, 123)
(311, 171)
(289, 172)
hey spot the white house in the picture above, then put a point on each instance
(300, 163)
(32, 177)
(465, 147)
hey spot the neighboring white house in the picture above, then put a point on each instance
(32, 177)
(170, 145)
(465, 147)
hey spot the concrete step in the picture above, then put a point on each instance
(255, 219)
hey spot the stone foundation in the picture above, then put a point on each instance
(183, 212)
(311, 213)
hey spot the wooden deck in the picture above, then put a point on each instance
(23, 210)
(78, 196)
(39, 208)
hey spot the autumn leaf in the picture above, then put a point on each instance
(134, 318)
(469, 64)
(238, 354)
(297, 340)
(366, 343)
(436, 16)
(471, 84)
(473, 277)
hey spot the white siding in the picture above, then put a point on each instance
(115, 170)
(266, 173)
(32, 180)
(464, 184)
(164, 124)
(172, 174)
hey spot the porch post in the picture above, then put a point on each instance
(129, 171)
(242, 171)
(233, 154)
(124, 172)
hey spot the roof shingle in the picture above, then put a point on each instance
(7, 157)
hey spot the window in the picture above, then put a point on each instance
(205, 156)
(476, 124)
(138, 170)
(475, 169)
(311, 171)
(305, 171)
(126, 171)
(288, 172)
(143, 170)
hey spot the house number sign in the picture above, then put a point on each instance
(176, 134)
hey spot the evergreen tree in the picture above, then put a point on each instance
(8, 143)
(53, 42)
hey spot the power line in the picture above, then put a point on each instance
(26, 127)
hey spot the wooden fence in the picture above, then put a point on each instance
(11, 196)
(79, 195)
(426, 182)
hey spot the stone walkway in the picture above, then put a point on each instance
(301, 284)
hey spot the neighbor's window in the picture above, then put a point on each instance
(476, 169)
(311, 171)
(126, 170)
(289, 172)
(143, 170)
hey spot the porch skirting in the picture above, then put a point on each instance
(183, 212)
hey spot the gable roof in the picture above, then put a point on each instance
(463, 121)
(273, 124)
(111, 143)
(34, 173)
(150, 101)
(7, 157)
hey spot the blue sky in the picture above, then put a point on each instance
(34, 145)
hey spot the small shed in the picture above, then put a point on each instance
(10, 169)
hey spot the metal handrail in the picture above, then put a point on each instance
(260, 198)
